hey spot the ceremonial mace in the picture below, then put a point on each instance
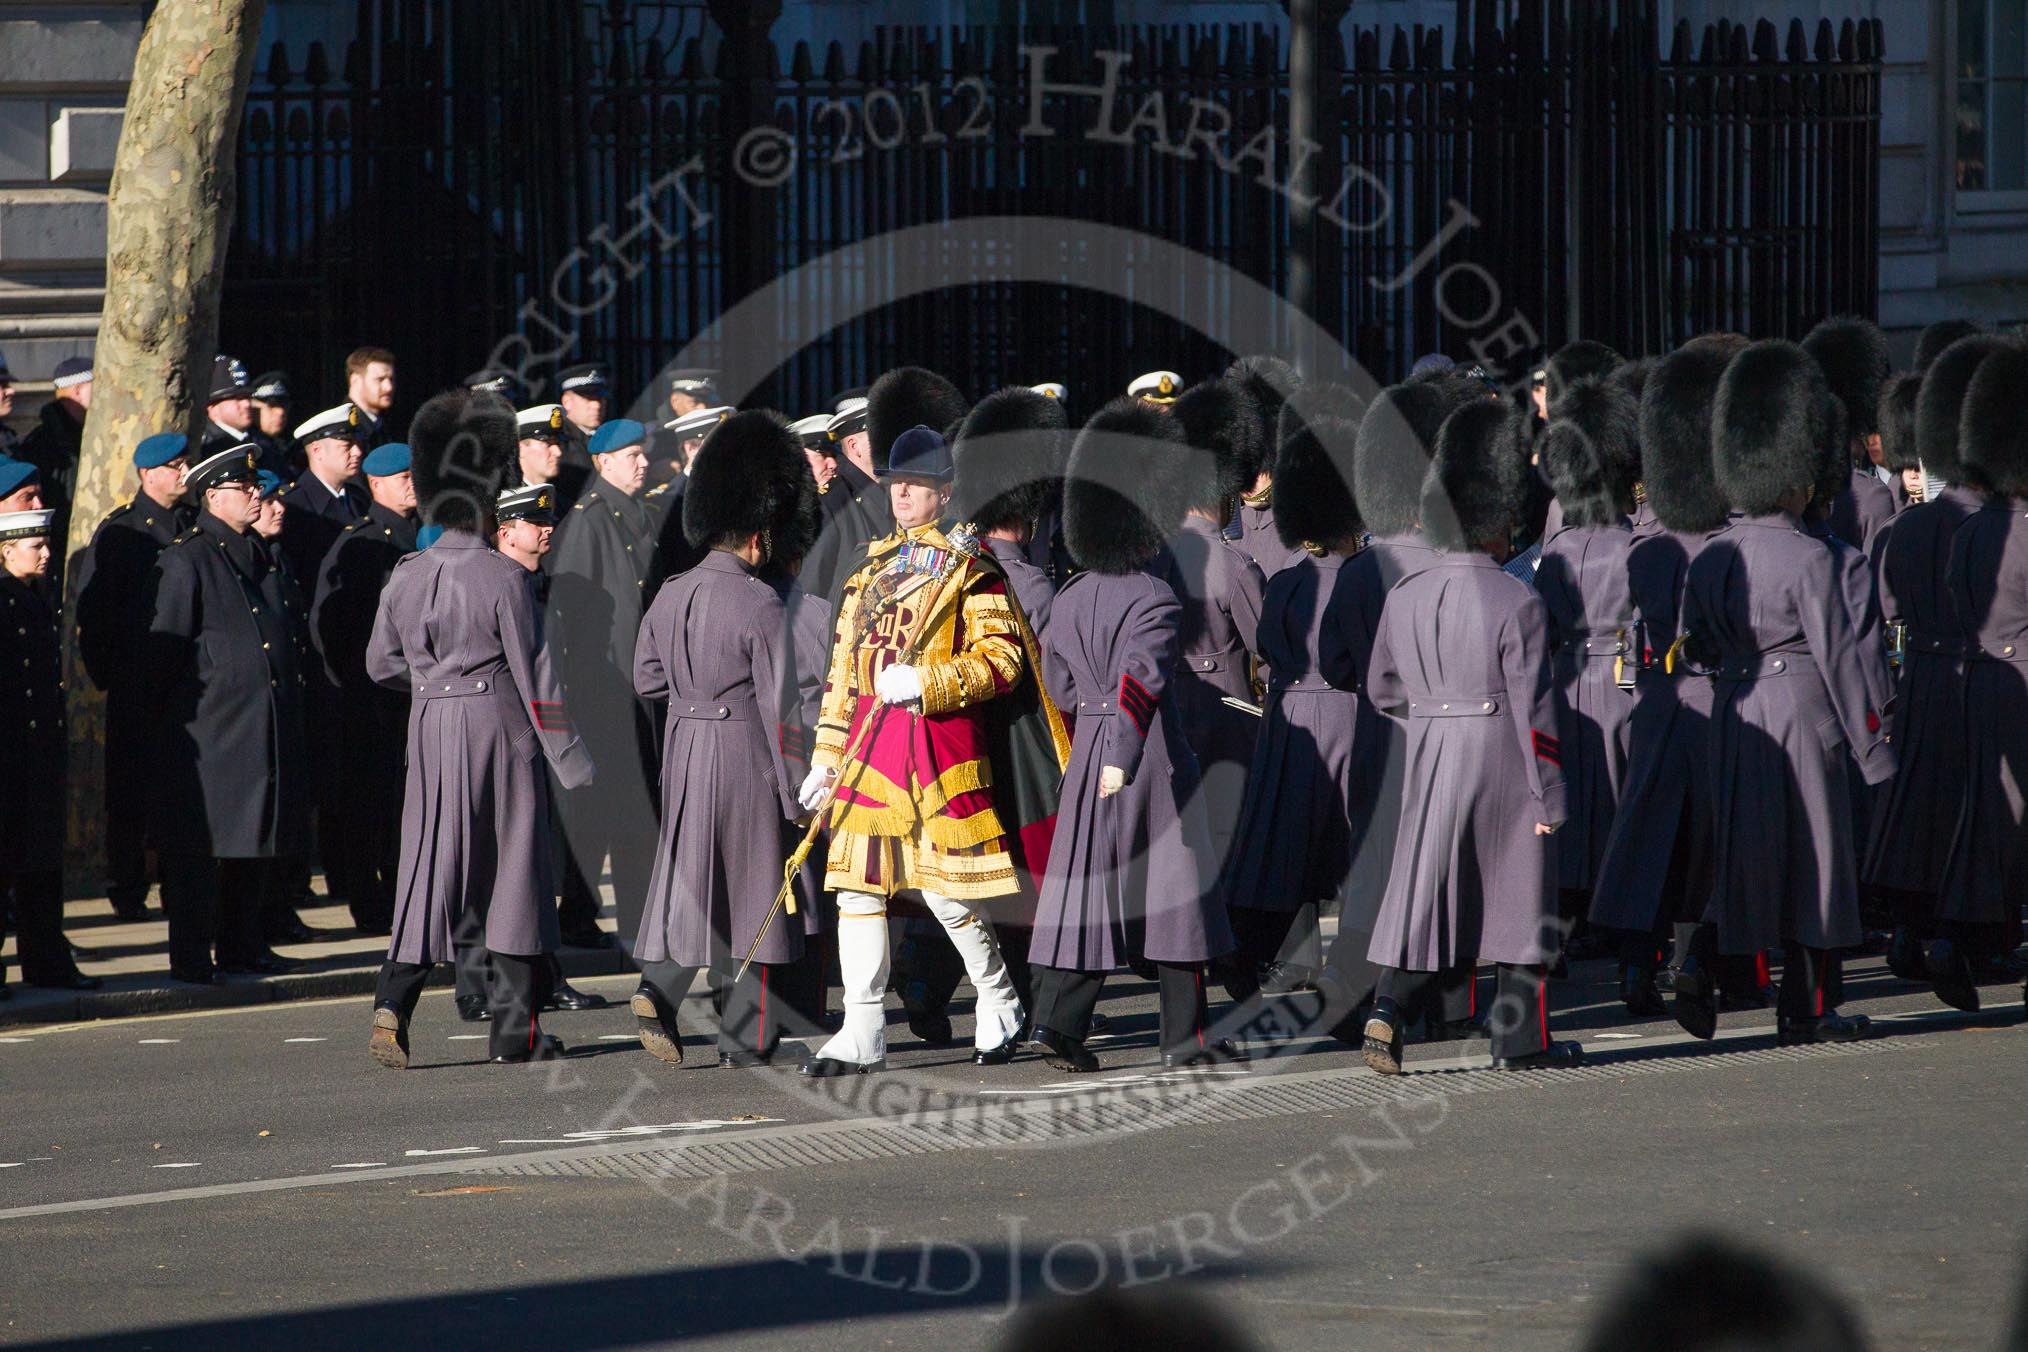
(964, 547)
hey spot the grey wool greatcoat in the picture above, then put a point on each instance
(1583, 582)
(715, 645)
(1462, 658)
(228, 769)
(1221, 590)
(1380, 744)
(1765, 608)
(1911, 835)
(1661, 836)
(799, 700)
(458, 629)
(1260, 541)
(1294, 825)
(1132, 874)
(1987, 579)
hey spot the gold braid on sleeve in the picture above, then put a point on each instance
(989, 664)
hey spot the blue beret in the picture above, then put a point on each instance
(428, 536)
(14, 473)
(158, 450)
(617, 435)
(919, 453)
(271, 483)
(389, 459)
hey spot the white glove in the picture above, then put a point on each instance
(816, 787)
(898, 685)
(1111, 780)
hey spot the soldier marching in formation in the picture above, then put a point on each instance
(1684, 650)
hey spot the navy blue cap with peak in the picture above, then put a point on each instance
(920, 453)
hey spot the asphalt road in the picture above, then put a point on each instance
(250, 1178)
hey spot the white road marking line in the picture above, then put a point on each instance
(176, 1166)
(449, 1150)
(467, 1037)
(532, 1140)
(15, 1164)
(306, 1039)
(1615, 1037)
(619, 1037)
(370, 1164)
(159, 1041)
(15, 1039)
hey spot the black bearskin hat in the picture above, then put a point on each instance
(1009, 453)
(1931, 342)
(1853, 353)
(462, 446)
(1676, 465)
(1221, 420)
(1942, 402)
(1270, 381)
(1125, 492)
(750, 477)
(1574, 361)
(1992, 434)
(1591, 451)
(1834, 462)
(1633, 375)
(906, 397)
(1897, 422)
(1477, 483)
(1771, 418)
(1396, 439)
(1314, 467)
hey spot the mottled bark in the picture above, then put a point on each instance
(167, 222)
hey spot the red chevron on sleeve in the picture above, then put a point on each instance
(795, 741)
(549, 715)
(1549, 749)
(1136, 703)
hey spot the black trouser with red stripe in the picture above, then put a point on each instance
(1518, 1022)
(1811, 983)
(519, 984)
(748, 1016)
(1065, 998)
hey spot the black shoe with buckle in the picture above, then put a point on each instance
(197, 976)
(1381, 1041)
(472, 1009)
(1064, 1053)
(745, 1058)
(1555, 1056)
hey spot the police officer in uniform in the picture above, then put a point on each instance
(458, 628)
(115, 575)
(371, 717)
(271, 420)
(228, 775)
(33, 751)
(602, 576)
